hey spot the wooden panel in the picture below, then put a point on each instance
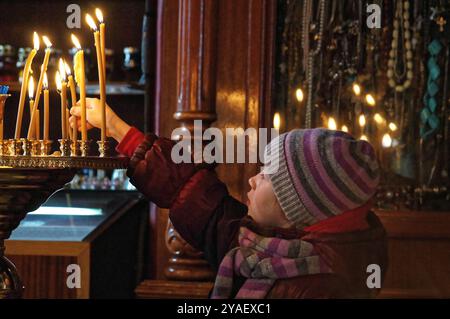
(150, 289)
(45, 276)
(419, 254)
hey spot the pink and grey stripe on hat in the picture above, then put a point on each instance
(323, 173)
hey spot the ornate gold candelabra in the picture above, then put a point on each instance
(29, 174)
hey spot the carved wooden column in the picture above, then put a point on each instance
(196, 93)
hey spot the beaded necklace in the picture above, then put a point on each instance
(401, 80)
(311, 57)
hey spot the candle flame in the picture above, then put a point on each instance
(332, 124)
(370, 100)
(62, 70)
(378, 118)
(392, 127)
(47, 42)
(99, 15)
(362, 120)
(45, 81)
(386, 141)
(91, 22)
(67, 69)
(75, 41)
(58, 81)
(364, 138)
(299, 94)
(35, 41)
(276, 120)
(356, 89)
(344, 128)
(31, 87)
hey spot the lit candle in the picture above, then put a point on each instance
(332, 124)
(69, 132)
(31, 129)
(299, 94)
(44, 65)
(73, 96)
(99, 15)
(46, 107)
(37, 126)
(34, 121)
(101, 77)
(80, 78)
(25, 75)
(62, 88)
(277, 121)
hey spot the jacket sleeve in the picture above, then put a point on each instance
(200, 208)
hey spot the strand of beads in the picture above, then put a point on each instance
(311, 56)
(401, 21)
(430, 121)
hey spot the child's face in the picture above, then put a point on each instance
(262, 203)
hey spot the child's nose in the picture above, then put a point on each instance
(251, 181)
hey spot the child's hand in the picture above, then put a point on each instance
(115, 126)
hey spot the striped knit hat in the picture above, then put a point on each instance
(319, 173)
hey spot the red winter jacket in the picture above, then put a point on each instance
(208, 218)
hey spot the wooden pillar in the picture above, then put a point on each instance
(196, 77)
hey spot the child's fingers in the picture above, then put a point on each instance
(76, 111)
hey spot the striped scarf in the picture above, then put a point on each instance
(263, 260)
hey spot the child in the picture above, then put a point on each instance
(307, 231)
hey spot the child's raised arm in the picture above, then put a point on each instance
(200, 208)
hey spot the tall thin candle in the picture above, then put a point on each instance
(46, 107)
(101, 77)
(80, 78)
(25, 75)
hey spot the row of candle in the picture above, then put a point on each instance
(64, 79)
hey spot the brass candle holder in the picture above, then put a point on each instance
(84, 148)
(64, 146)
(4, 148)
(46, 147)
(35, 148)
(15, 147)
(26, 146)
(103, 148)
(74, 148)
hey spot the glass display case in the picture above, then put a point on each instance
(104, 232)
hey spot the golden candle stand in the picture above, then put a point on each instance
(26, 182)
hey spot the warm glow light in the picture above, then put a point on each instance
(31, 87)
(356, 89)
(344, 128)
(36, 41)
(378, 118)
(45, 81)
(370, 100)
(91, 22)
(47, 42)
(299, 94)
(75, 41)
(276, 120)
(386, 141)
(67, 69)
(99, 15)
(362, 120)
(364, 138)
(392, 127)
(58, 81)
(332, 124)
(62, 69)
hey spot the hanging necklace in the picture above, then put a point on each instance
(401, 81)
(311, 57)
